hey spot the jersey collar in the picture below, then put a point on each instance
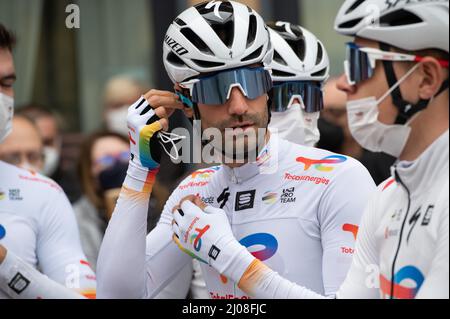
(266, 163)
(431, 166)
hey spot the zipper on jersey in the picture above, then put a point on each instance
(399, 180)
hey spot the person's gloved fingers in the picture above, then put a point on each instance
(139, 106)
(214, 210)
(176, 230)
(189, 208)
(178, 216)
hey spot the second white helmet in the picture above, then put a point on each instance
(298, 54)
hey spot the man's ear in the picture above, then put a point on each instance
(433, 75)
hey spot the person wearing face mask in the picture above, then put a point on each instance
(335, 134)
(299, 69)
(396, 83)
(23, 147)
(50, 126)
(37, 226)
(102, 168)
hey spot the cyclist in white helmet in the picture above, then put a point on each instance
(288, 207)
(300, 66)
(38, 229)
(397, 86)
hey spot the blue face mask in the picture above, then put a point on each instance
(113, 176)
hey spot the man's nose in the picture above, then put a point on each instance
(343, 85)
(237, 104)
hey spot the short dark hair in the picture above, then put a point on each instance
(7, 38)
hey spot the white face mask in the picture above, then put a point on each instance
(116, 120)
(372, 134)
(51, 161)
(6, 115)
(296, 126)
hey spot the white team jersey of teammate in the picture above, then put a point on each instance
(403, 245)
(38, 226)
(297, 209)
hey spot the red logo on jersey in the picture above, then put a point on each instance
(351, 228)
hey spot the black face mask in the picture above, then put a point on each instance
(331, 136)
(113, 177)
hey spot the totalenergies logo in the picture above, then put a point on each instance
(268, 241)
(322, 165)
(407, 282)
(196, 239)
(205, 173)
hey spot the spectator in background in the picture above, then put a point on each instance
(23, 147)
(119, 93)
(335, 135)
(102, 168)
(50, 126)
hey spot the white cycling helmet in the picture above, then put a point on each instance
(215, 36)
(411, 25)
(298, 54)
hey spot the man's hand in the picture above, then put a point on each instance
(145, 118)
(149, 115)
(204, 233)
(2, 254)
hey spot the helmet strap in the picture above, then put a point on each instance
(406, 110)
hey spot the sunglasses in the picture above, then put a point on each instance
(360, 62)
(309, 94)
(216, 89)
(110, 160)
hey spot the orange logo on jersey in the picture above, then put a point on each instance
(351, 228)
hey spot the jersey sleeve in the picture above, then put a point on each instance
(362, 280)
(436, 284)
(19, 280)
(131, 263)
(340, 212)
(59, 251)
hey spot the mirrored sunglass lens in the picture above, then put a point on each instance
(310, 92)
(313, 98)
(214, 90)
(359, 64)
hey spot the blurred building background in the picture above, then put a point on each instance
(66, 69)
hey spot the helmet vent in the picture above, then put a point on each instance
(174, 59)
(282, 73)
(253, 55)
(220, 19)
(299, 47)
(319, 53)
(350, 24)
(252, 27)
(355, 5)
(207, 64)
(277, 58)
(399, 18)
(320, 73)
(196, 41)
(180, 22)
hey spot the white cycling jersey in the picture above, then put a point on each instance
(38, 229)
(403, 246)
(297, 209)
